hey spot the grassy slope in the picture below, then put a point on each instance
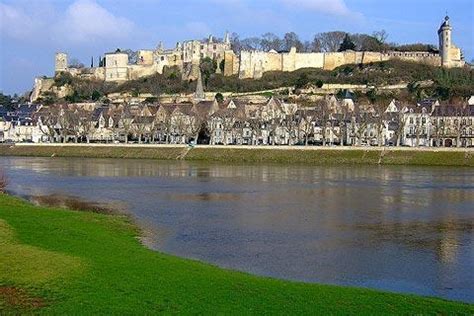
(267, 155)
(92, 263)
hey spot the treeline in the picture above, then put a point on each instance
(325, 42)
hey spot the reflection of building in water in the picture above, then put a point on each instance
(449, 243)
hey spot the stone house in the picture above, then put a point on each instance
(452, 126)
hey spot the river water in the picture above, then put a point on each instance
(402, 229)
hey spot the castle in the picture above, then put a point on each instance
(115, 66)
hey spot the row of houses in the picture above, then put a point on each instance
(328, 122)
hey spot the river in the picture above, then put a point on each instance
(402, 229)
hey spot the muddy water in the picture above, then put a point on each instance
(403, 229)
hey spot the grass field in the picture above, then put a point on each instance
(57, 261)
(292, 155)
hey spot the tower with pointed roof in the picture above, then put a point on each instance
(199, 94)
(445, 43)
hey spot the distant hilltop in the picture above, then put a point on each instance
(247, 64)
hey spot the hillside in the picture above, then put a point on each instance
(446, 83)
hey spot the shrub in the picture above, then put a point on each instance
(3, 181)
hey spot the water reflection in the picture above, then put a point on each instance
(395, 228)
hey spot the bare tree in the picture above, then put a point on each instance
(47, 120)
(380, 120)
(306, 120)
(381, 36)
(86, 123)
(271, 41)
(3, 181)
(323, 115)
(292, 40)
(329, 41)
(126, 122)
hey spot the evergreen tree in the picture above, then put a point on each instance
(347, 44)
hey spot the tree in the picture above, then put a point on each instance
(364, 42)
(271, 41)
(252, 43)
(328, 42)
(347, 44)
(235, 43)
(132, 56)
(5, 100)
(292, 40)
(380, 119)
(219, 97)
(323, 115)
(222, 65)
(208, 67)
(75, 63)
(381, 36)
(302, 81)
(3, 181)
(96, 95)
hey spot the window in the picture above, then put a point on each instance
(162, 58)
(423, 120)
(411, 120)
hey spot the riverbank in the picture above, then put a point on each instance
(253, 154)
(57, 261)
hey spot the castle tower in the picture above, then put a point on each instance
(445, 43)
(60, 62)
(227, 38)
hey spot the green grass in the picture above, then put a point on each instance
(88, 263)
(335, 156)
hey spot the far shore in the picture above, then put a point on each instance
(278, 147)
(314, 155)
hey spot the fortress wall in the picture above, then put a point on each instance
(273, 62)
(145, 57)
(229, 63)
(254, 64)
(309, 60)
(137, 71)
(288, 60)
(334, 60)
(373, 57)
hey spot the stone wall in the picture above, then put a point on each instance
(253, 64)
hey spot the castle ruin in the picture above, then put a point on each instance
(115, 66)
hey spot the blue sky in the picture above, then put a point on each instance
(31, 31)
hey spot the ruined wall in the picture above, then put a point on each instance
(145, 57)
(231, 63)
(254, 63)
(138, 71)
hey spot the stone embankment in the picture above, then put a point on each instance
(254, 154)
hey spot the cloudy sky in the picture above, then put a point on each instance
(31, 31)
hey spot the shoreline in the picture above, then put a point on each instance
(24, 219)
(312, 155)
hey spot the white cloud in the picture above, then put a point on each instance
(85, 20)
(16, 23)
(82, 21)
